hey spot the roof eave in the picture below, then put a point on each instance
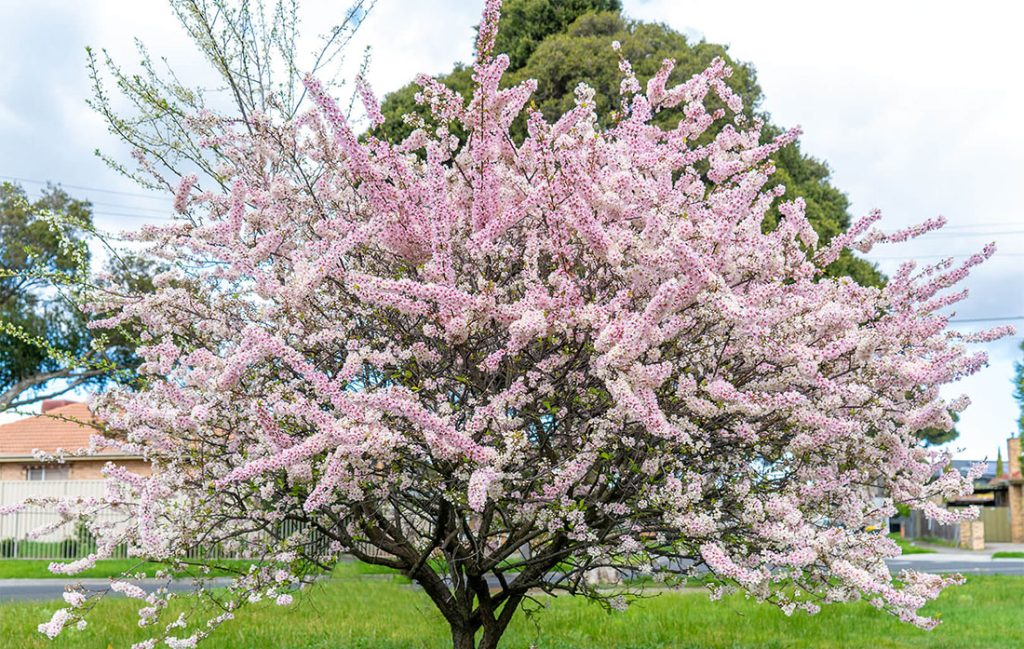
(10, 459)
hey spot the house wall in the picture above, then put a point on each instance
(92, 469)
(80, 469)
(1015, 494)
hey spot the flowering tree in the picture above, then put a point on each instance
(495, 367)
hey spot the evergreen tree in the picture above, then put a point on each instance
(561, 44)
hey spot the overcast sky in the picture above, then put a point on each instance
(915, 106)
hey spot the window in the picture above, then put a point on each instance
(48, 472)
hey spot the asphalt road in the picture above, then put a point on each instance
(50, 589)
(953, 564)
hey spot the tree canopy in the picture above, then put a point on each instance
(571, 43)
(525, 24)
(40, 329)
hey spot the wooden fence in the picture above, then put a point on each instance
(919, 526)
(997, 524)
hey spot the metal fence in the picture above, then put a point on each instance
(70, 540)
(74, 541)
(66, 541)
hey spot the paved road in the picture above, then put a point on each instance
(966, 563)
(49, 589)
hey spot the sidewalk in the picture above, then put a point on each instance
(942, 553)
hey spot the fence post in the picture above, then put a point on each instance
(17, 535)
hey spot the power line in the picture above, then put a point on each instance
(940, 234)
(950, 235)
(152, 197)
(997, 255)
(116, 206)
(1003, 318)
(972, 226)
(134, 216)
(162, 209)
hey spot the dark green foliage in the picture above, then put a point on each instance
(935, 436)
(527, 23)
(581, 52)
(31, 261)
(46, 349)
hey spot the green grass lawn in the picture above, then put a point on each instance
(1008, 555)
(38, 568)
(934, 540)
(908, 547)
(355, 612)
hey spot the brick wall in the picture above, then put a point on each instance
(91, 469)
(80, 470)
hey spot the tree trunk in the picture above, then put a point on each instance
(490, 639)
(463, 638)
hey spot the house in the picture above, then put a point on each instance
(36, 532)
(1008, 489)
(998, 499)
(61, 425)
(986, 493)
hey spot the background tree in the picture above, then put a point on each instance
(44, 343)
(561, 44)
(47, 348)
(527, 23)
(934, 436)
(500, 364)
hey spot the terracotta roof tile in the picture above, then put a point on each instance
(58, 428)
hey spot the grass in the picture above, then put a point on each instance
(38, 568)
(908, 547)
(1003, 554)
(354, 612)
(934, 540)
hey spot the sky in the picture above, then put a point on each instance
(915, 106)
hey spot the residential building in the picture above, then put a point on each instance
(62, 424)
(1010, 490)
